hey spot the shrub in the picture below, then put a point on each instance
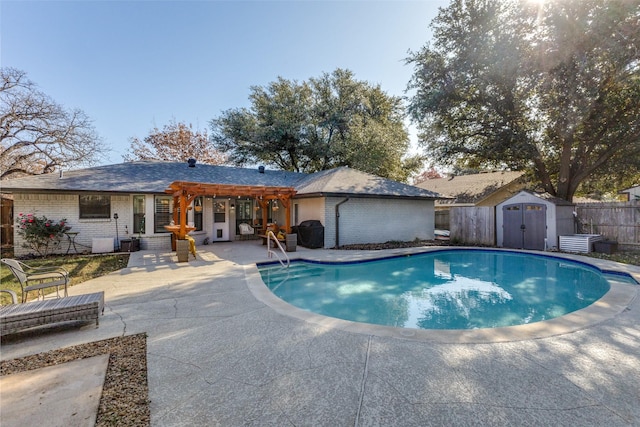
(41, 234)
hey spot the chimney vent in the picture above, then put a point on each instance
(192, 163)
(261, 169)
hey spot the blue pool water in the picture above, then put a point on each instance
(450, 289)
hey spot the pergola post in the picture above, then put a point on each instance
(264, 204)
(287, 211)
(185, 192)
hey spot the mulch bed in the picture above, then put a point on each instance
(125, 394)
(394, 245)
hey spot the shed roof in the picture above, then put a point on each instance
(470, 188)
(543, 196)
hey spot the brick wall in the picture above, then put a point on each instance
(312, 208)
(362, 220)
(371, 220)
(59, 206)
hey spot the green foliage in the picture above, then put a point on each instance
(319, 124)
(552, 88)
(39, 233)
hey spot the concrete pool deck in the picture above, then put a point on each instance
(221, 351)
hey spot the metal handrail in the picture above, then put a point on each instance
(270, 234)
(282, 282)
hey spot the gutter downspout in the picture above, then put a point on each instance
(338, 221)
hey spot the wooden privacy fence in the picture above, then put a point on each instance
(442, 220)
(619, 221)
(473, 225)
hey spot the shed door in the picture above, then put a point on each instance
(524, 226)
(511, 223)
(535, 221)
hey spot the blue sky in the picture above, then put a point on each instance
(133, 65)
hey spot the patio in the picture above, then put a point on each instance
(219, 355)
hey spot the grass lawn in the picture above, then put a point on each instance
(80, 267)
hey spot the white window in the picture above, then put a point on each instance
(163, 213)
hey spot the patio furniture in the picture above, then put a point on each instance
(265, 237)
(71, 237)
(16, 317)
(246, 230)
(14, 297)
(37, 278)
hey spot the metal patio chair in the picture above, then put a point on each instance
(38, 278)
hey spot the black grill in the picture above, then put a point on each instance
(310, 234)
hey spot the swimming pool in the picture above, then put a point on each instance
(446, 289)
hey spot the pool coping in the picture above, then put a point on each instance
(615, 301)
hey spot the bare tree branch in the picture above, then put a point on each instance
(175, 142)
(37, 135)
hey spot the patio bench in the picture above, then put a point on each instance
(264, 239)
(16, 317)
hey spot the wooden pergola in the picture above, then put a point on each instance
(185, 192)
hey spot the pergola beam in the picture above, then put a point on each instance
(184, 192)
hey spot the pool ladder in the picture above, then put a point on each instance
(270, 253)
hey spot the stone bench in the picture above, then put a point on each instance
(16, 317)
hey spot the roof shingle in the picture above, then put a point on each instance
(155, 177)
(470, 188)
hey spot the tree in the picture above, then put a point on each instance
(175, 142)
(319, 124)
(37, 135)
(550, 87)
(427, 175)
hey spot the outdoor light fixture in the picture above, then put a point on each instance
(115, 216)
(275, 206)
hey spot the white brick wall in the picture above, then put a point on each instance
(362, 220)
(59, 206)
(309, 209)
(369, 220)
(157, 242)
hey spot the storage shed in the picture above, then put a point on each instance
(533, 221)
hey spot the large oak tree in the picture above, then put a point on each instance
(334, 120)
(39, 136)
(551, 87)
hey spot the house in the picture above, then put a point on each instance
(140, 199)
(632, 193)
(481, 189)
